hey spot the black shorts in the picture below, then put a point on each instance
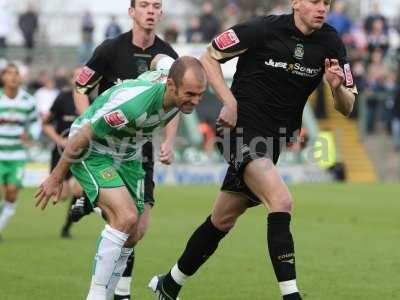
(148, 167)
(239, 147)
(55, 157)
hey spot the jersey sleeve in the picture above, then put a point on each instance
(126, 108)
(238, 39)
(94, 70)
(345, 65)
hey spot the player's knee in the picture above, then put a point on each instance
(126, 220)
(282, 202)
(224, 223)
(11, 194)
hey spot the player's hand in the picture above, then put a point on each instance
(227, 116)
(333, 73)
(166, 153)
(51, 187)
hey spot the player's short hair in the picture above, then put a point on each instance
(133, 3)
(181, 65)
(8, 66)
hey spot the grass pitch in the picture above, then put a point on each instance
(347, 240)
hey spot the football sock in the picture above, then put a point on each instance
(281, 251)
(123, 289)
(7, 213)
(109, 251)
(116, 275)
(201, 245)
(69, 220)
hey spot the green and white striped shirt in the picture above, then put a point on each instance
(124, 117)
(16, 117)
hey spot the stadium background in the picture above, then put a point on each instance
(347, 228)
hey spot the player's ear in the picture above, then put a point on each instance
(295, 4)
(131, 12)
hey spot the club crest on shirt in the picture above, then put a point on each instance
(226, 39)
(85, 75)
(116, 119)
(299, 51)
(348, 75)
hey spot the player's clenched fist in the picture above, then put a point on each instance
(228, 116)
(333, 73)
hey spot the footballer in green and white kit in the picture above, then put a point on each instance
(17, 116)
(122, 120)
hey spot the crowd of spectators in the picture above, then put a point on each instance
(373, 45)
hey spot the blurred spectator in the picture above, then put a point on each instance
(280, 8)
(171, 33)
(87, 30)
(62, 79)
(113, 29)
(374, 15)
(28, 23)
(230, 16)
(209, 23)
(338, 19)
(396, 117)
(45, 95)
(377, 38)
(5, 26)
(194, 33)
(375, 89)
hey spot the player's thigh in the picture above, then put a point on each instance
(227, 208)
(119, 208)
(11, 192)
(13, 174)
(263, 179)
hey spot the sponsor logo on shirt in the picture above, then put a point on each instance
(226, 39)
(116, 119)
(296, 68)
(348, 75)
(85, 75)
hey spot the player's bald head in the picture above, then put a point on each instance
(185, 67)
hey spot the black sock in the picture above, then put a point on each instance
(68, 220)
(201, 245)
(281, 248)
(294, 296)
(127, 273)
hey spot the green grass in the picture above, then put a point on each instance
(347, 247)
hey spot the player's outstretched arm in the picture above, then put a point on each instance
(342, 97)
(52, 186)
(228, 115)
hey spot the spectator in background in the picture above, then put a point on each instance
(377, 38)
(230, 16)
(374, 15)
(194, 33)
(375, 88)
(45, 95)
(209, 23)
(5, 26)
(113, 29)
(280, 8)
(87, 30)
(338, 19)
(396, 117)
(171, 33)
(28, 23)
